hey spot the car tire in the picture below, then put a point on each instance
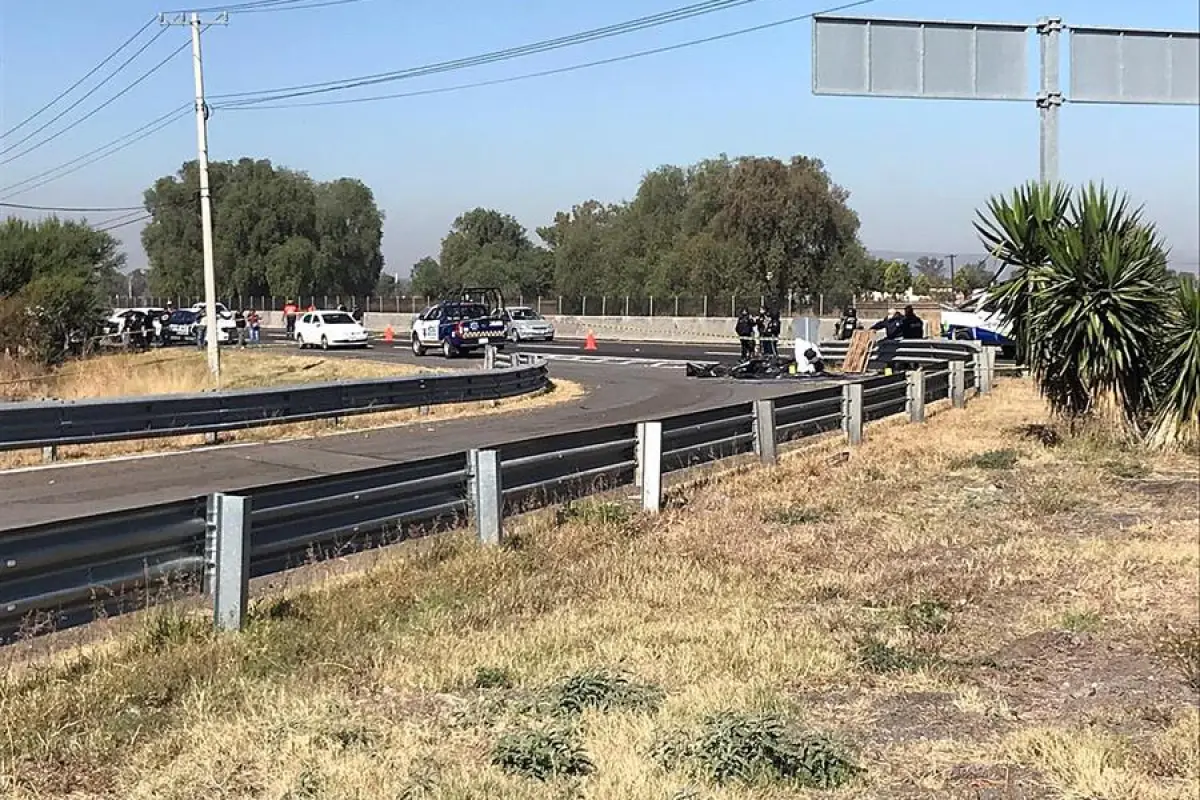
(418, 349)
(300, 342)
(324, 343)
(448, 349)
(514, 335)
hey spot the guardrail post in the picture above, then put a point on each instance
(986, 369)
(227, 559)
(489, 356)
(764, 432)
(916, 395)
(958, 384)
(486, 498)
(852, 412)
(50, 454)
(649, 461)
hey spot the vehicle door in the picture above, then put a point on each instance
(428, 327)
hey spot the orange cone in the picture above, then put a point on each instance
(590, 342)
(388, 334)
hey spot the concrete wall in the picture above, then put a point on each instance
(630, 329)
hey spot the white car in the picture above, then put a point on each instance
(326, 329)
(222, 311)
(525, 324)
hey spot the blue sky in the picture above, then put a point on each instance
(916, 169)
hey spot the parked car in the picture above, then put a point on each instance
(326, 329)
(132, 320)
(222, 311)
(457, 326)
(178, 326)
(226, 327)
(525, 324)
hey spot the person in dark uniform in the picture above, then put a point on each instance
(848, 324)
(745, 332)
(913, 327)
(771, 328)
(892, 327)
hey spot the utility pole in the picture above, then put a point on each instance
(951, 257)
(1049, 98)
(210, 278)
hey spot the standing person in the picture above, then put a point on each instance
(356, 313)
(290, 310)
(744, 327)
(848, 324)
(893, 326)
(772, 327)
(239, 322)
(913, 326)
(201, 332)
(253, 320)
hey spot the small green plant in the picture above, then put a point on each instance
(168, 627)
(542, 753)
(1126, 468)
(990, 459)
(876, 655)
(928, 616)
(493, 678)
(755, 749)
(1045, 435)
(1080, 621)
(606, 690)
(596, 513)
(794, 515)
(1182, 649)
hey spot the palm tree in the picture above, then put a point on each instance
(1178, 418)
(1086, 297)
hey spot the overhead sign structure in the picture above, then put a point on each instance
(905, 58)
(937, 59)
(1152, 67)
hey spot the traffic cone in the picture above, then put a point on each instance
(590, 342)
(388, 334)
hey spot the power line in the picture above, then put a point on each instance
(78, 102)
(102, 106)
(259, 105)
(595, 34)
(87, 159)
(112, 226)
(70, 209)
(77, 83)
(318, 4)
(262, 6)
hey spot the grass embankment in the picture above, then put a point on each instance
(953, 610)
(186, 371)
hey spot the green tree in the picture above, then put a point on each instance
(52, 276)
(259, 209)
(487, 248)
(428, 280)
(922, 286)
(1087, 294)
(972, 276)
(896, 278)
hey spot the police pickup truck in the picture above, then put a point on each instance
(457, 326)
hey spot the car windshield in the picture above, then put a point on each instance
(337, 319)
(524, 313)
(182, 317)
(466, 311)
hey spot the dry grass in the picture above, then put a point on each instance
(186, 371)
(960, 630)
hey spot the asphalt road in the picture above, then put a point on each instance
(615, 393)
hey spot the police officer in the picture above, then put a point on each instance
(771, 328)
(848, 324)
(745, 332)
(913, 326)
(893, 326)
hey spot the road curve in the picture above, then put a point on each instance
(614, 394)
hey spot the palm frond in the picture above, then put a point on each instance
(1178, 418)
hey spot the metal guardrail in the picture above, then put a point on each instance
(56, 423)
(61, 574)
(926, 352)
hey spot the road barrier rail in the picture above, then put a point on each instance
(61, 574)
(54, 423)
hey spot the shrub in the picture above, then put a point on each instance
(1178, 376)
(928, 616)
(542, 753)
(605, 690)
(493, 678)
(1182, 649)
(991, 459)
(755, 749)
